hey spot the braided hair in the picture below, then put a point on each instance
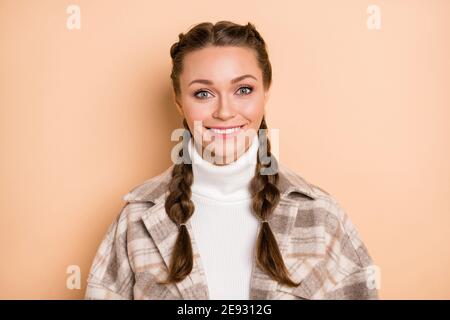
(265, 193)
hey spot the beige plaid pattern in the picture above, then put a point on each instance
(320, 247)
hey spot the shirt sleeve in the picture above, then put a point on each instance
(111, 276)
(351, 272)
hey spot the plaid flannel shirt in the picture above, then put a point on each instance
(319, 244)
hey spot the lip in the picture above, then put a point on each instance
(222, 127)
(226, 135)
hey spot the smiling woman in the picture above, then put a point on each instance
(232, 229)
(224, 88)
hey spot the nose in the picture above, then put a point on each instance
(224, 110)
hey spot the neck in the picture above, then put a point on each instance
(229, 182)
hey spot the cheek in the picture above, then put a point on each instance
(252, 110)
(196, 113)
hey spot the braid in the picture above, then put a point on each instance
(266, 196)
(254, 33)
(180, 208)
(176, 47)
(264, 189)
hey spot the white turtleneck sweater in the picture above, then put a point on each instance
(224, 227)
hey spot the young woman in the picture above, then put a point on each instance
(226, 220)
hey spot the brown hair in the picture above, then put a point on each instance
(264, 190)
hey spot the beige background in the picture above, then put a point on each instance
(87, 114)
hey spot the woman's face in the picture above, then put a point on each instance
(222, 87)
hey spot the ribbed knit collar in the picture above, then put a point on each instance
(228, 182)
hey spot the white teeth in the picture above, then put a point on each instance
(224, 131)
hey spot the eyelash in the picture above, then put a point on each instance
(241, 87)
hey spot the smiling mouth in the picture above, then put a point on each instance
(228, 130)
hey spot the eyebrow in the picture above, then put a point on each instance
(205, 81)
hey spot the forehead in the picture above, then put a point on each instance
(220, 63)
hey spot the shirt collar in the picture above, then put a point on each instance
(155, 188)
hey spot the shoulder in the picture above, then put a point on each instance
(291, 181)
(138, 200)
(321, 213)
(151, 189)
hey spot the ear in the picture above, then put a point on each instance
(179, 107)
(266, 95)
